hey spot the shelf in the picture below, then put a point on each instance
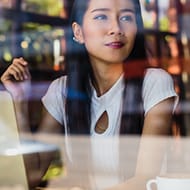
(23, 16)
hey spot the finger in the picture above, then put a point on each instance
(26, 72)
(8, 75)
(20, 61)
(18, 70)
(21, 66)
(21, 71)
(15, 73)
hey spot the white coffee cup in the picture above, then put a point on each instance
(169, 183)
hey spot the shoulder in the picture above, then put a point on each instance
(59, 81)
(157, 76)
(54, 99)
(56, 90)
(156, 73)
(157, 85)
(59, 84)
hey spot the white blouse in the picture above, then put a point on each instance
(157, 86)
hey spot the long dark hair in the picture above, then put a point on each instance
(79, 71)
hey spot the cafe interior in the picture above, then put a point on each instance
(35, 30)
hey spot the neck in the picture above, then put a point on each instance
(105, 76)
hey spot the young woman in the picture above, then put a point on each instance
(108, 90)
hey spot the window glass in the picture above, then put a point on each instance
(6, 3)
(163, 15)
(47, 7)
(5, 41)
(41, 45)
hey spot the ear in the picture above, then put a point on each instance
(77, 30)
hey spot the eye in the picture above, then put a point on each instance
(100, 17)
(126, 18)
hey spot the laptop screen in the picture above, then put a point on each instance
(12, 169)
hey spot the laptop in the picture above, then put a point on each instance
(13, 148)
(12, 169)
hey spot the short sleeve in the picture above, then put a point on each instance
(158, 85)
(54, 99)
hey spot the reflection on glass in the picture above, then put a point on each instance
(6, 3)
(162, 13)
(47, 7)
(36, 43)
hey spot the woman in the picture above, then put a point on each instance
(107, 90)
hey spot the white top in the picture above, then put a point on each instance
(157, 86)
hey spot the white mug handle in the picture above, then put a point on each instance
(149, 183)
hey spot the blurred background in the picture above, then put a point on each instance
(35, 30)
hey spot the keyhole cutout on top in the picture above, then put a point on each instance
(102, 123)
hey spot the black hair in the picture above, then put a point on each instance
(79, 73)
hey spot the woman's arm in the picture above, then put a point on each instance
(157, 126)
(49, 124)
(16, 80)
(158, 119)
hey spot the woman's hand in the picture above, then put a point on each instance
(17, 79)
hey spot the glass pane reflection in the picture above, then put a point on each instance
(47, 7)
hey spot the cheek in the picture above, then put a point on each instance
(133, 29)
(87, 32)
(91, 34)
(132, 34)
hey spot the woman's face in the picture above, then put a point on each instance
(109, 29)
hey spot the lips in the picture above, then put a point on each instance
(115, 45)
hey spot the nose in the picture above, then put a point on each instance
(115, 28)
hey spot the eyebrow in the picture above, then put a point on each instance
(127, 10)
(106, 9)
